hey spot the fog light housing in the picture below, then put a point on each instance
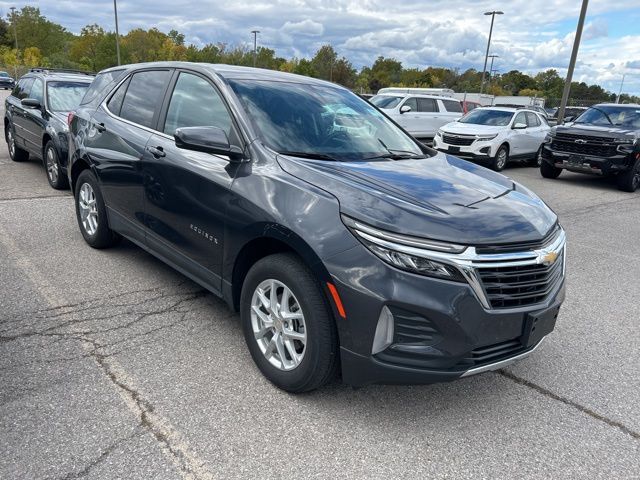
(384, 331)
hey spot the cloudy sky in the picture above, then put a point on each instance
(532, 35)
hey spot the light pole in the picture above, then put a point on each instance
(486, 56)
(115, 11)
(492, 57)
(572, 62)
(620, 91)
(255, 45)
(15, 33)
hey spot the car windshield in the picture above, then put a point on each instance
(616, 115)
(480, 116)
(385, 101)
(4, 74)
(320, 121)
(65, 96)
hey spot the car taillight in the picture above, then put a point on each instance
(70, 118)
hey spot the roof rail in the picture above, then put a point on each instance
(59, 70)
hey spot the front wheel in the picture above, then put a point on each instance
(537, 160)
(549, 171)
(91, 212)
(55, 174)
(501, 159)
(287, 325)
(629, 181)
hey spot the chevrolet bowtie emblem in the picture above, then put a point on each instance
(549, 258)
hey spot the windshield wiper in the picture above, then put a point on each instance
(313, 156)
(394, 154)
(602, 112)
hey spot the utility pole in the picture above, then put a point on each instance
(486, 56)
(15, 33)
(255, 46)
(572, 62)
(115, 11)
(492, 57)
(620, 91)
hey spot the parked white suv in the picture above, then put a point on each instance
(495, 136)
(420, 115)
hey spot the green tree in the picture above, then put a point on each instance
(385, 72)
(324, 61)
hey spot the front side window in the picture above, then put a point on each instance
(413, 103)
(483, 116)
(63, 96)
(314, 119)
(144, 96)
(196, 103)
(37, 90)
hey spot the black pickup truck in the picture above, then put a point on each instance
(604, 140)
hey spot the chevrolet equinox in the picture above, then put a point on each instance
(344, 243)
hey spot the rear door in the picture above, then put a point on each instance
(536, 130)
(116, 140)
(186, 192)
(519, 140)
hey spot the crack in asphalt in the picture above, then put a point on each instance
(554, 396)
(35, 197)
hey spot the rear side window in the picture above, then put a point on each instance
(115, 102)
(520, 118)
(100, 83)
(532, 120)
(144, 96)
(23, 88)
(452, 106)
(196, 103)
(427, 105)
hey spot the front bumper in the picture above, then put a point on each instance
(441, 333)
(478, 151)
(588, 163)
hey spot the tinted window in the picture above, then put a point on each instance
(100, 83)
(618, 115)
(427, 105)
(23, 88)
(532, 120)
(65, 96)
(520, 118)
(385, 101)
(144, 96)
(196, 103)
(413, 103)
(452, 106)
(115, 102)
(37, 90)
(471, 106)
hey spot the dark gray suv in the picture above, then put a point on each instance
(344, 243)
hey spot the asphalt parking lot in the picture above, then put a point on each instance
(112, 365)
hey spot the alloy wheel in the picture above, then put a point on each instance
(52, 166)
(278, 324)
(88, 209)
(502, 159)
(11, 142)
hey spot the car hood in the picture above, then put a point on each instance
(471, 128)
(441, 197)
(597, 130)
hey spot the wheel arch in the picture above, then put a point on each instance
(76, 169)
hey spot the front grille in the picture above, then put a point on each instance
(458, 140)
(519, 286)
(596, 146)
(519, 247)
(492, 353)
(412, 328)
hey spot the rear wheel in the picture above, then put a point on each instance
(91, 212)
(629, 181)
(501, 159)
(287, 324)
(55, 174)
(549, 171)
(15, 153)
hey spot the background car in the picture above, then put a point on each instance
(467, 105)
(495, 136)
(35, 121)
(570, 113)
(420, 115)
(6, 81)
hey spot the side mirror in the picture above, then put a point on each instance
(519, 126)
(206, 139)
(30, 103)
(405, 109)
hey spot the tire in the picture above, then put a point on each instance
(16, 153)
(629, 181)
(317, 357)
(537, 160)
(501, 159)
(55, 174)
(90, 204)
(549, 171)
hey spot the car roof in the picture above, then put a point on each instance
(419, 95)
(52, 75)
(627, 105)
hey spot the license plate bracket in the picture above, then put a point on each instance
(539, 324)
(454, 149)
(576, 160)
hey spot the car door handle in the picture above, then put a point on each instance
(99, 127)
(157, 152)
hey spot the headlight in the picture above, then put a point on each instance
(623, 141)
(406, 252)
(484, 138)
(439, 133)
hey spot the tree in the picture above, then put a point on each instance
(85, 48)
(385, 72)
(324, 61)
(34, 30)
(32, 57)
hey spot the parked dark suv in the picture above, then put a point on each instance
(604, 140)
(339, 238)
(35, 119)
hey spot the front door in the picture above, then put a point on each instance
(186, 192)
